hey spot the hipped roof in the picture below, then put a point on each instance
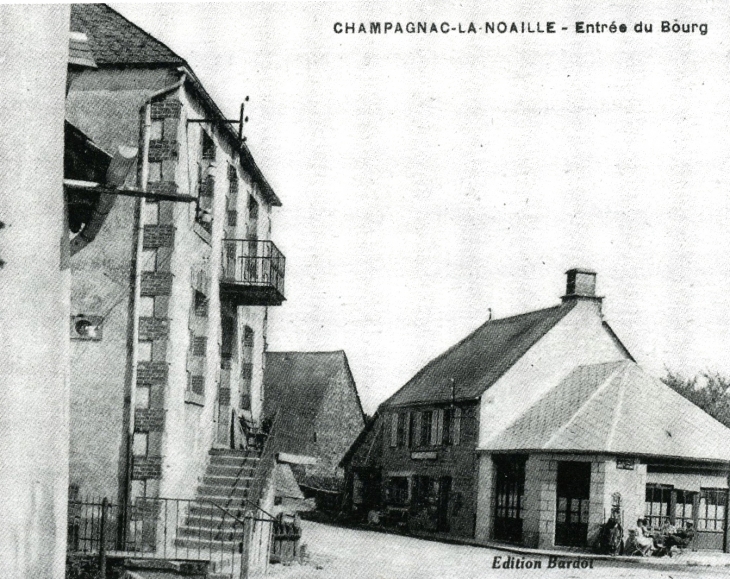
(616, 408)
(480, 359)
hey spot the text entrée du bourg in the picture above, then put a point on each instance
(521, 27)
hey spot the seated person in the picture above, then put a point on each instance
(643, 539)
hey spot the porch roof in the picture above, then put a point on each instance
(616, 408)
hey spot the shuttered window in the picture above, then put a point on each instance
(457, 426)
(394, 429)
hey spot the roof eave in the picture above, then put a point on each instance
(538, 450)
(247, 159)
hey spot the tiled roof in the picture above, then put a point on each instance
(616, 408)
(297, 383)
(480, 359)
(115, 40)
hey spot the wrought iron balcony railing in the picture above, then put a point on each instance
(253, 272)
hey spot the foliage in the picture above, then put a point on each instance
(708, 390)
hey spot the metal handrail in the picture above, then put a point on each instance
(253, 262)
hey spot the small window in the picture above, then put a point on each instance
(448, 422)
(232, 218)
(197, 384)
(201, 305)
(393, 429)
(247, 337)
(396, 491)
(157, 130)
(155, 172)
(401, 430)
(253, 208)
(246, 371)
(208, 147)
(426, 427)
(200, 346)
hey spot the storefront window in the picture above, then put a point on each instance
(713, 503)
(658, 500)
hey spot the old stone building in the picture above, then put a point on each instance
(169, 302)
(534, 430)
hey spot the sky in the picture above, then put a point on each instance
(426, 178)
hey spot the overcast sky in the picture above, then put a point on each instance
(426, 178)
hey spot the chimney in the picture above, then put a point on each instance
(581, 284)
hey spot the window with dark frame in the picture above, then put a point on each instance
(401, 429)
(426, 423)
(411, 429)
(711, 514)
(658, 502)
(396, 491)
(207, 146)
(447, 438)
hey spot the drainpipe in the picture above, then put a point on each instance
(143, 178)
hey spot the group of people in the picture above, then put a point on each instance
(643, 541)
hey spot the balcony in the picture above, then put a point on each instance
(253, 273)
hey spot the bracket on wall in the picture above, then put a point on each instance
(242, 120)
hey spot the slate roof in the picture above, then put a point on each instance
(616, 408)
(480, 359)
(118, 42)
(297, 382)
(115, 40)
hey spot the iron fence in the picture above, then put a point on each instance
(226, 534)
(253, 263)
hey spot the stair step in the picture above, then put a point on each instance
(232, 452)
(233, 461)
(202, 509)
(229, 481)
(227, 470)
(210, 534)
(213, 521)
(197, 545)
(222, 496)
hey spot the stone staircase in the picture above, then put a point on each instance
(212, 527)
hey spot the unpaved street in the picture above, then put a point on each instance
(337, 553)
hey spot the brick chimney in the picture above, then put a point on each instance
(581, 284)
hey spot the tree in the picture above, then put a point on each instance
(708, 390)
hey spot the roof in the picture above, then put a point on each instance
(298, 383)
(366, 450)
(480, 359)
(116, 41)
(286, 484)
(616, 408)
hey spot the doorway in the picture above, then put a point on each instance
(573, 494)
(509, 497)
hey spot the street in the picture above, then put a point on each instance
(339, 553)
